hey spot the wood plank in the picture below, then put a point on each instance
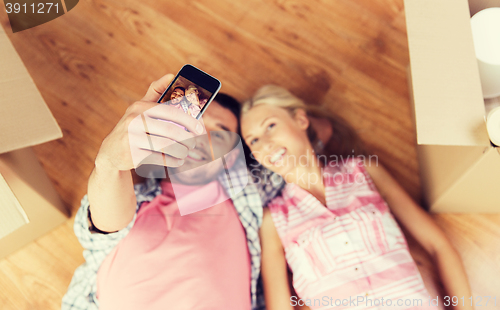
(93, 62)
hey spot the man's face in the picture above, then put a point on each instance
(221, 125)
(176, 96)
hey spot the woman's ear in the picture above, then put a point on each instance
(323, 128)
(301, 119)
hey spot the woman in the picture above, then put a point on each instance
(333, 224)
(193, 97)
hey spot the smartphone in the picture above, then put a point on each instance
(191, 90)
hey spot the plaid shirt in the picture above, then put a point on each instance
(81, 294)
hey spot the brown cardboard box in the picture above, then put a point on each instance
(460, 168)
(29, 205)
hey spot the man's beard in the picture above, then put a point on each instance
(198, 175)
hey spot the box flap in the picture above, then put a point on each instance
(25, 119)
(449, 108)
(476, 191)
(32, 187)
(442, 165)
(12, 215)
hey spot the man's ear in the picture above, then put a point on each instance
(301, 119)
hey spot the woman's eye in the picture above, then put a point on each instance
(271, 126)
(253, 141)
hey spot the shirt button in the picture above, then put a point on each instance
(356, 268)
(346, 242)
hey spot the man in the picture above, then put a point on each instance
(178, 99)
(113, 206)
(177, 95)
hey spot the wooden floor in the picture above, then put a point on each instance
(91, 63)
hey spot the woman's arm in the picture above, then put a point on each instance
(423, 228)
(274, 268)
(299, 305)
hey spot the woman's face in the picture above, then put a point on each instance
(176, 96)
(277, 140)
(192, 96)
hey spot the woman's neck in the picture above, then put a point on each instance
(310, 177)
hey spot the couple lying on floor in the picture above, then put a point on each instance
(327, 236)
(188, 99)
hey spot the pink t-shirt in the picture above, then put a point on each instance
(167, 261)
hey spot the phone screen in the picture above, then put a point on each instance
(188, 96)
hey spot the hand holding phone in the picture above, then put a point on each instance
(144, 128)
(186, 98)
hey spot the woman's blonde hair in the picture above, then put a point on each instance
(193, 87)
(344, 140)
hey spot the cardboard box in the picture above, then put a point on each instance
(29, 205)
(460, 168)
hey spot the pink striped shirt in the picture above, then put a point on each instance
(350, 254)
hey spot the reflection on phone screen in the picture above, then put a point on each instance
(187, 96)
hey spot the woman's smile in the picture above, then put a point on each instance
(277, 156)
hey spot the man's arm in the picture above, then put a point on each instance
(142, 131)
(111, 196)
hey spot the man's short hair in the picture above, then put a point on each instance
(234, 106)
(228, 102)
